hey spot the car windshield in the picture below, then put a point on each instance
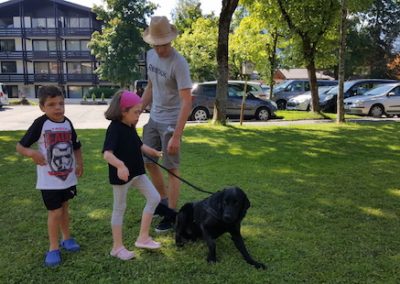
(346, 87)
(379, 90)
(282, 85)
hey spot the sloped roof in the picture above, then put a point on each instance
(301, 73)
(62, 2)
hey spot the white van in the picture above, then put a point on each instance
(3, 95)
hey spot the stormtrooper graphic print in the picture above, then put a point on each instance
(57, 142)
(60, 155)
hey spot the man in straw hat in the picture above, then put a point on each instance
(169, 92)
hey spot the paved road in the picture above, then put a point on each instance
(92, 116)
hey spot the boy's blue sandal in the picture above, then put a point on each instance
(70, 245)
(53, 258)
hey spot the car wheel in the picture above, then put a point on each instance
(376, 111)
(281, 104)
(200, 114)
(263, 113)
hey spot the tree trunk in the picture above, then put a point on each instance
(309, 57)
(313, 85)
(228, 7)
(272, 62)
(342, 50)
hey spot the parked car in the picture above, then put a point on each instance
(258, 89)
(303, 101)
(140, 85)
(3, 95)
(384, 99)
(350, 89)
(203, 95)
(286, 90)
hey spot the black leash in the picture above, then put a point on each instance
(178, 177)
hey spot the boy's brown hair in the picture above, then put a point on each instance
(46, 92)
(114, 110)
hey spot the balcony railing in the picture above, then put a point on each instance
(45, 77)
(46, 32)
(52, 54)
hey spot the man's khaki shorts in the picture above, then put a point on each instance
(157, 135)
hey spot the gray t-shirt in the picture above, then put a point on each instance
(168, 76)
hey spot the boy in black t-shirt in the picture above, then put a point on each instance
(59, 163)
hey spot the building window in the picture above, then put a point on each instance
(53, 66)
(8, 67)
(41, 67)
(40, 45)
(79, 68)
(86, 68)
(44, 45)
(7, 45)
(73, 45)
(84, 23)
(78, 91)
(38, 22)
(84, 45)
(76, 22)
(77, 45)
(51, 22)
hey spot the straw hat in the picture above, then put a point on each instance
(160, 31)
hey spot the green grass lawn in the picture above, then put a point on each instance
(324, 209)
(300, 115)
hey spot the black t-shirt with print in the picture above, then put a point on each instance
(125, 144)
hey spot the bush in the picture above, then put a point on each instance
(100, 92)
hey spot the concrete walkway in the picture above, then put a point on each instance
(92, 117)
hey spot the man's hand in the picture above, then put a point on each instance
(173, 145)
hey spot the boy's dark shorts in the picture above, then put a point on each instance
(53, 199)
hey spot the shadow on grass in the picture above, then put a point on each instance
(324, 207)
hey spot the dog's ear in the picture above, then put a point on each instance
(245, 203)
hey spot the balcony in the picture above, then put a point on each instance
(46, 32)
(11, 55)
(43, 55)
(49, 78)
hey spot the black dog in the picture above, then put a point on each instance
(222, 212)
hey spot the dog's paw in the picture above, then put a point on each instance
(211, 259)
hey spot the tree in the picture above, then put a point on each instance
(394, 67)
(342, 49)
(120, 42)
(225, 18)
(198, 46)
(372, 37)
(185, 14)
(310, 20)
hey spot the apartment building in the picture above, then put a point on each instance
(45, 42)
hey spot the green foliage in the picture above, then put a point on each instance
(185, 14)
(372, 34)
(100, 92)
(119, 44)
(324, 209)
(198, 45)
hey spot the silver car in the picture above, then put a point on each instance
(303, 101)
(203, 99)
(384, 99)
